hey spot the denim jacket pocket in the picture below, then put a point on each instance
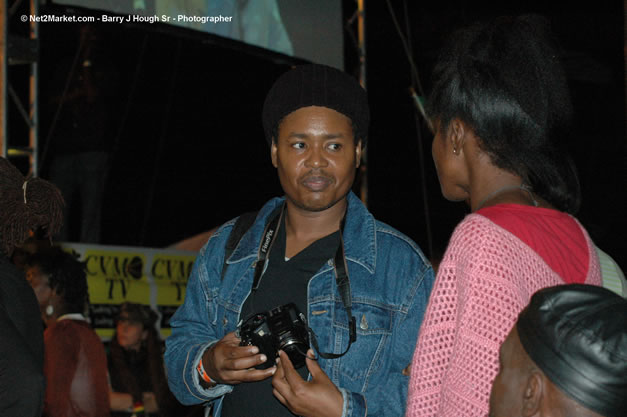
(374, 328)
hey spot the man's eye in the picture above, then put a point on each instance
(335, 146)
(298, 145)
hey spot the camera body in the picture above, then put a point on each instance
(282, 328)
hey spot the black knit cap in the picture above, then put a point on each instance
(577, 335)
(316, 85)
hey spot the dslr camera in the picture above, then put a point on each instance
(282, 328)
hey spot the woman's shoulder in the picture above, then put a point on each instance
(477, 237)
(476, 226)
(71, 330)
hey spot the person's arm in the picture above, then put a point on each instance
(60, 362)
(195, 337)
(120, 401)
(194, 329)
(150, 402)
(21, 375)
(456, 356)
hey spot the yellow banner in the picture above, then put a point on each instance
(117, 274)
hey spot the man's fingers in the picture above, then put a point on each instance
(313, 366)
(242, 363)
(280, 384)
(291, 376)
(280, 372)
(231, 337)
(248, 375)
(278, 395)
(234, 352)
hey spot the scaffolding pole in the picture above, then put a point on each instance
(18, 52)
(361, 50)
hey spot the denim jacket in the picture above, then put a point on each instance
(390, 284)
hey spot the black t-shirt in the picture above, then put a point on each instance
(284, 281)
(137, 363)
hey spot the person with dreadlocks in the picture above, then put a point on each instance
(26, 205)
(75, 360)
(136, 371)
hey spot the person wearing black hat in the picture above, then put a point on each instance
(135, 364)
(566, 356)
(314, 269)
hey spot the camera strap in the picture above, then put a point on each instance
(344, 287)
(341, 277)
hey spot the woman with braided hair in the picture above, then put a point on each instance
(26, 205)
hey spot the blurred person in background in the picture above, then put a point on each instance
(82, 136)
(27, 205)
(136, 370)
(75, 360)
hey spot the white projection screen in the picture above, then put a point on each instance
(308, 29)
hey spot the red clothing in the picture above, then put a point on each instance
(552, 234)
(75, 367)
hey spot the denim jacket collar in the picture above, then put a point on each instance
(359, 234)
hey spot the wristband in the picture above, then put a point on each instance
(203, 374)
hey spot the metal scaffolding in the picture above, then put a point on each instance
(19, 50)
(359, 39)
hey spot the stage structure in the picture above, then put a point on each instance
(19, 48)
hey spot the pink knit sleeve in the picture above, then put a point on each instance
(472, 308)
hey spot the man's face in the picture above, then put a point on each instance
(507, 393)
(315, 156)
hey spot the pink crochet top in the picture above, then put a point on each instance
(486, 277)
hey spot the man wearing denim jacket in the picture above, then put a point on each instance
(316, 120)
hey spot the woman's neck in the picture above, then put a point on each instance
(491, 185)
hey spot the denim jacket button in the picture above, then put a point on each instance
(330, 262)
(225, 322)
(363, 324)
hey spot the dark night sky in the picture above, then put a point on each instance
(189, 145)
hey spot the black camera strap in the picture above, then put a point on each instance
(341, 277)
(344, 287)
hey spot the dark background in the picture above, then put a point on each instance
(189, 147)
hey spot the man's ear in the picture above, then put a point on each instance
(273, 150)
(533, 394)
(358, 150)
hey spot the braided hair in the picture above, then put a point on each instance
(66, 275)
(26, 205)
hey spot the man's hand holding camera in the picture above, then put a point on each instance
(318, 397)
(227, 362)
